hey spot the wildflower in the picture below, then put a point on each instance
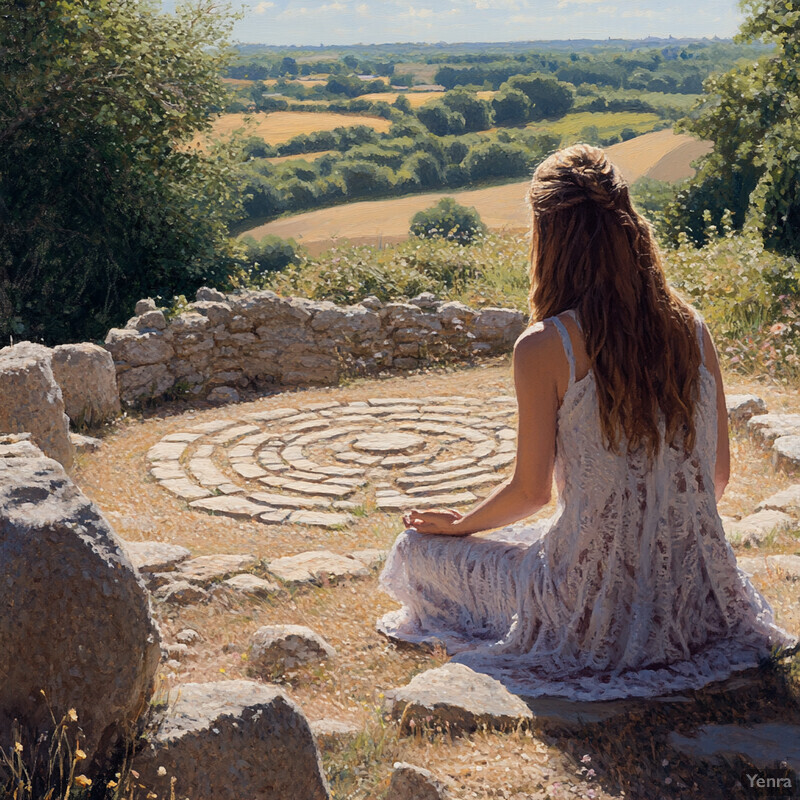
(18, 746)
(591, 773)
(112, 784)
(162, 771)
(586, 759)
(778, 328)
(80, 755)
(73, 715)
(665, 762)
(668, 781)
(82, 780)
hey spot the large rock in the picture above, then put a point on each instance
(88, 381)
(755, 528)
(75, 621)
(277, 647)
(458, 699)
(786, 452)
(233, 740)
(31, 400)
(787, 500)
(415, 783)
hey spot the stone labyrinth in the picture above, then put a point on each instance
(318, 463)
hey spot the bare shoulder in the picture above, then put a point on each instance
(539, 342)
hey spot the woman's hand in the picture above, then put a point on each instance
(439, 521)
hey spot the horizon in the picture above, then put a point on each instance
(343, 23)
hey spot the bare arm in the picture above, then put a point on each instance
(538, 359)
(722, 464)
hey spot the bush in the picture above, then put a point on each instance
(497, 160)
(271, 254)
(448, 220)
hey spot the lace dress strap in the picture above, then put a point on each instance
(566, 341)
(698, 321)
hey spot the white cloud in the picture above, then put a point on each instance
(362, 10)
(263, 7)
(565, 3)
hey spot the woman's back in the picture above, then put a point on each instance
(629, 589)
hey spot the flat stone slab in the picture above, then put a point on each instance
(458, 699)
(206, 569)
(787, 500)
(320, 519)
(329, 732)
(388, 443)
(155, 556)
(250, 585)
(182, 593)
(184, 488)
(786, 565)
(763, 744)
(230, 506)
(768, 427)
(786, 452)
(166, 451)
(85, 444)
(401, 502)
(314, 566)
(755, 528)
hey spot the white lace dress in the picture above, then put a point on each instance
(629, 590)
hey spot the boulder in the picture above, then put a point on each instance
(85, 372)
(786, 452)
(31, 400)
(232, 740)
(754, 529)
(457, 699)
(76, 623)
(277, 647)
(741, 407)
(415, 783)
(787, 500)
(155, 556)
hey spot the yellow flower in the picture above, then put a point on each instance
(79, 755)
(18, 746)
(82, 780)
(73, 715)
(112, 784)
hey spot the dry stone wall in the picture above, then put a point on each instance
(222, 343)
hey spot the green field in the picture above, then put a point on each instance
(608, 123)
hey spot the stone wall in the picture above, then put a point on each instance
(256, 338)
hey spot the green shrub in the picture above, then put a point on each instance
(448, 220)
(270, 254)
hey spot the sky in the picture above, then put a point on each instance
(338, 22)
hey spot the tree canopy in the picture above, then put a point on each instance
(102, 200)
(751, 114)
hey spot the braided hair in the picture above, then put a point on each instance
(591, 251)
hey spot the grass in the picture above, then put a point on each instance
(608, 123)
(626, 753)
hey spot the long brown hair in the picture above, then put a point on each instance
(591, 251)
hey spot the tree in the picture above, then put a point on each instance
(750, 113)
(477, 113)
(440, 120)
(511, 107)
(549, 98)
(102, 200)
(497, 160)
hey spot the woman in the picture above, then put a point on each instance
(631, 588)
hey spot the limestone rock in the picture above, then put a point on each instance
(762, 744)
(232, 740)
(768, 427)
(206, 569)
(222, 395)
(155, 556)
(31, 400)
(787, 500)
(79, 627)
(247, 584)
(85, 372)
(741, 407)
(458, 699)
(145, 305)
(786, 452)
(753, 529)
(415, 783)
(84, 444)
(181, 593)
(314, 566)
(212, 295)
(278, 647)
(329, 732)
(187, 636)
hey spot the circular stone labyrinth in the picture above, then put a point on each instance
(314, 464)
